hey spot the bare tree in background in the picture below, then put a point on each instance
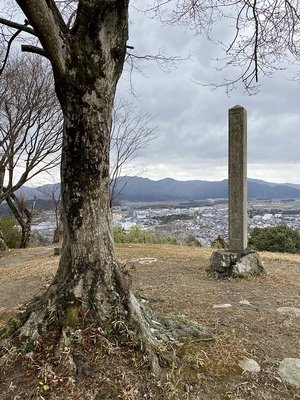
(23, 213)
(131, 132)
(263, 36)
(30, 125)
(52, 193)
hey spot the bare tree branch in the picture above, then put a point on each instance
(19, 27)
(264, 35)
(131, 132)
(8, 49)
(31, 123)
(33, 49)
(50, 27)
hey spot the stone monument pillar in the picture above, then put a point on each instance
(238, 261)
(237, 178)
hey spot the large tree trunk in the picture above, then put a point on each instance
(86, 273)
(87, 62)
(88, 258)
(88, 278)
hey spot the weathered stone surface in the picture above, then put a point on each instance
(245, 303)
(226, 263)
(289, 310)
(248, 265)
(142, 260)
(248, 364)
(225, 305)
(289, 371)
(237, 178)
(221, 261)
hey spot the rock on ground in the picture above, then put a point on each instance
(248, 364)
(289, 310)
(289, 371)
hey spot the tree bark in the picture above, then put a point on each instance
(86, 70)
(86, 92)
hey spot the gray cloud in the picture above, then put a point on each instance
(193, 118)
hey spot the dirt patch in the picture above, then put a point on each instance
(174, 280)
(23, 274)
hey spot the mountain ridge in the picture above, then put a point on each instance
(138, 189)
(145, 189)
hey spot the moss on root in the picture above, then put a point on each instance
(72, 315)
(12, 325)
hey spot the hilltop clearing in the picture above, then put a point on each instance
(171, 279)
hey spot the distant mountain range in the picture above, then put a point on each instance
(144, 189)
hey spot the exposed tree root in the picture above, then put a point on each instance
(158, 332)
(154, 333)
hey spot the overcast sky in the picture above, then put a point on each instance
(193, 120)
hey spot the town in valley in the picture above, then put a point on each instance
(205, 220)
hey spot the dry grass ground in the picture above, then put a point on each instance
(174, 282)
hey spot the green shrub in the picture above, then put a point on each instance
(280, 238)
(138, 235)
(12, 234)
(119, 235)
